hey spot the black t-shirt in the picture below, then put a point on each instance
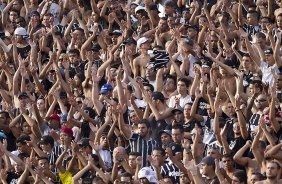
(88, 177)
(157, 126)
(24, 51)
(12, 178)
(202, 107)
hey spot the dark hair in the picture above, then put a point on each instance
(49, 14)
(146, 122)
(227, 156)
(259, 175)
(126, 174)
(275, 162)
(42, 158)
(173, 77)
(23, 139)
(258, 83)
(74, 51)
(149, 85)
(261, 35)
(14, 10)
(241, 175)
(262, 144)
(170, 3)
(161, 150)
(5, 113)
(134, 154)
(185, 80)
(178, 126)
(97, 179)
(254, 12)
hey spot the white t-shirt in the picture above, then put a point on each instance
(267, 76)
(182, 101)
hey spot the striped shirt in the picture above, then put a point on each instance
(54, 155)
(169, 169)
(142, 146)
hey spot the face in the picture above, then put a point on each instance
(269, 59)
(230, 108)
(144, 181)
(271, 170)
(236, 128)
(132, 161)
(13, 16)
(134, 118)
(213, 153)
(254, 179)
(181, 88)
(35, 18)
(143, 130)
(26, 128)
(74, 59)
(54, 124)
(246, 62)
(104, 142)
(23, 148)
(150, 73)
(227, 163)
(46, 21)
(261, 102)
(205, 168)
(184, 178)
(23, 101)
(187, 110)
(40, 104)
(166, 139)
(169, 85)
(177, 135)
(169, 10)
(157, 155)
(163, 25)
(178, 116)
(43, 163)
(192, 32)
(235, 180)
(279, 82)
(279, 21)
(65, 139)
(251, 18)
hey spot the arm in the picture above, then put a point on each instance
(59, 161)
(238, 157)
(276, 51)
(241, 119)
(259, 158)
(78, 175)
(95, 97)
(272, 114)
(34, 127)
(125, 131)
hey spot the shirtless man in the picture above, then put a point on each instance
(273, 172)
(140, 62)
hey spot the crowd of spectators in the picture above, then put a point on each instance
(144, 91)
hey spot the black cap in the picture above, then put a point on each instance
(158, 96)
(130, 41)
(175, 148)
(96, 47)
(34, 12)
(206, 62)
(22, 94)
(268, 51)
(84, 142)
(230, 63)
(116, 32)
(193, 26)
(46, 139)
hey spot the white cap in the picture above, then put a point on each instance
(147, 172)
(141, 41)
(20, 31)
(139, 8)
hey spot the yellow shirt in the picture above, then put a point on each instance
(66, 177)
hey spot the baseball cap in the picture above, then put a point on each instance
(34, 12)
(130, 41)
(165, 131)
(46, 139)
(230, 63)
(116, 32)
(20, 31)
(193, 26)
(158, 96)
(206, 63)
(147, 172)
(178, 108)
(106, 88)
(141, 40)
(68, 131)
(268, 51)
(96, 47)
(84, 142)
(55, 117)
(139, 8)
(209, 161)
(175, 148)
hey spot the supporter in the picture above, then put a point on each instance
(119, 91)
